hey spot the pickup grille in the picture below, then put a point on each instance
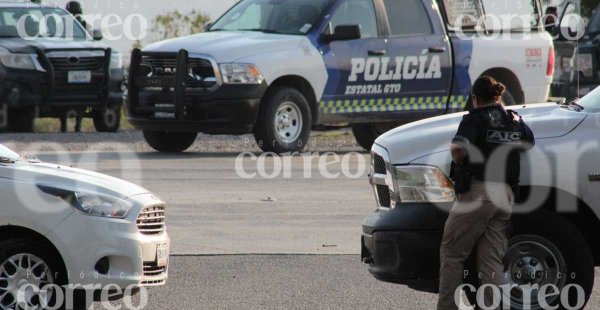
(151, 220)
(382, 191)
(201, 73)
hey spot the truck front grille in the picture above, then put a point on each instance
(382, 191)
(77, 64)
(151, 220)
(201, 73)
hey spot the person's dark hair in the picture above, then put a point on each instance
(74, 7)
(487, 89)
(551, 10)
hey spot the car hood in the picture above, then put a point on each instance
(228, 46)
(415, 140)
(69, 178)
(30, 46)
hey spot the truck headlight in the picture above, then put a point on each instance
(18, 61)
(92, 204)
(241, 74)
(116, 60)
(422, 184)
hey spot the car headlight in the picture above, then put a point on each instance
(422, 184)
(116, 60)
(92, 204)
(241, 74)
(19, 61)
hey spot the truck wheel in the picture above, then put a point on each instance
(24, 262)
(284, 122)
(170, 142)
(365, 135)
(107, 120)
(20, 121)
(508, 99)
(546, 249)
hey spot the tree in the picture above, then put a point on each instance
(175, 24)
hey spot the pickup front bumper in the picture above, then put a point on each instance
(401, 245)
(179, 92)
(50, 92)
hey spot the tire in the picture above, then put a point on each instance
(284, 122)
(508, 99)
(20, 121)
(108, 119)
(170, 142)
(565, 247)
(19, 250)
(365, 135)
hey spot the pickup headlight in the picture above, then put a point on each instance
(116, 60)
(19, 61)
(92, 204)
(422, 184)
(241, 74)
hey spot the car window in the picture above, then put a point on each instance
(35, 22)
(357, 12)
(295, 17)
(407, 17)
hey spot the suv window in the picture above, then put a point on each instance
(357, 12)
(407, 17)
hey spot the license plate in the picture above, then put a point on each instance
(162, 254)
(80, 77)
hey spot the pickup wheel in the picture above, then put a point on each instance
(24, 262)
(284, 122)
(366, 134)
(107, 119)
(20, 121)
(546, 249)
(170, 142)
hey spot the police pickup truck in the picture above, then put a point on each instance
(279, 68)
(50, 66)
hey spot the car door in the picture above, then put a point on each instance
(346, 61)
(420, 52)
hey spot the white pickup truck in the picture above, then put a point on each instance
(555, 227)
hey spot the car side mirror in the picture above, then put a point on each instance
(207, 26)
(344, 33)
(97, 35)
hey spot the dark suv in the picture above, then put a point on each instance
(50, 66)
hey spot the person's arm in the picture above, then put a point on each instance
(466, 135)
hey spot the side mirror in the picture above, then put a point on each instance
(344, 33)
(97, 35)
(207, 26)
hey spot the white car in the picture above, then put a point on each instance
(66, 226)
(555, 227)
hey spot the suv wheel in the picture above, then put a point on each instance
(107, 119)
(366, 134)
(284, 123)
(170, 142)
(23, 262)
(20, 121)
(546, 250)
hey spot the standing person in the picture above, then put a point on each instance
(486, 168)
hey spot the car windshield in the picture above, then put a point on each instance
(295, 17)
(6, 153)
(594, 24)
(591, 102)
(35, 22)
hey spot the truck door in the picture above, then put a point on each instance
(346, 61)
(419, 55)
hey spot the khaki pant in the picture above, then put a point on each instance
(478, 218)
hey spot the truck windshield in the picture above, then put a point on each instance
(6, 153)
(295, 17)
(591, 102)
(594, 24)
(35, 22)
(519, 15)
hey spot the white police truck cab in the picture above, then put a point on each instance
(279, 68)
